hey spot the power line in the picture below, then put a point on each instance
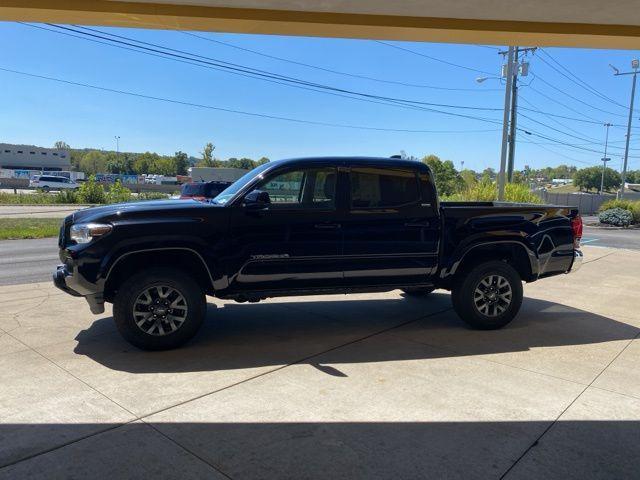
(432, 58)
(586, 139)
(257, 73)
(336, 72)
(230, 110)
(234, 66)
(561, 142)
(335, 92)
(575, 98)
(540, 145)
(577, 80)
(550, 117)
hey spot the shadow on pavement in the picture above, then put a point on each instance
(251, 335)
(466, 450)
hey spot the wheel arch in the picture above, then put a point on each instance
(514, 252)
(183, 258)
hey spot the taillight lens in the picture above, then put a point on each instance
(576, 227)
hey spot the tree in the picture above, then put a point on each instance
(633, 176)
(146, 162)
(122, 163)
(589, 179)
(469, 176)
(61, 145)
(180, 163)
(207, 156)
(92, 162)
(448, 180)
(489, 173)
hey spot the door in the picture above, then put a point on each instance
(390, 232)
(293, 243)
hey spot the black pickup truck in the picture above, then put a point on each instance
(310, 226)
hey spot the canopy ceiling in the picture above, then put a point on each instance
(576, 23)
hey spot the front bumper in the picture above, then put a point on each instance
(65, 281)
(578, 257)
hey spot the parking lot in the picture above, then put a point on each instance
(361, 386)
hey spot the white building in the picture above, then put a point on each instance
(30, 157)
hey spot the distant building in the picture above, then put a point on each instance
(208, 174)
(562, 181)
(30, 157)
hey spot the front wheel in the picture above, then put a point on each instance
(159, 309)
(489, 296)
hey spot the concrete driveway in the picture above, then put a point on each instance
(362, 386)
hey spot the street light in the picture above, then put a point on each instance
(117, 137)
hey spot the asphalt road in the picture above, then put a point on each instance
(27, 261)
(602, 237)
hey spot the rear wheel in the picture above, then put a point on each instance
(45, 189)
(489, 296)
(159, 309)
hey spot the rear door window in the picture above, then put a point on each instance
(383, 188)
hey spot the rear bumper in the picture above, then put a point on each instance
(578, 257)
(65, 281)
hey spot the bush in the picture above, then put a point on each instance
(487, 191)
(152, 196)
(632, 206)
(66, 196)
(616, 216)
(118, 193)
(91, 192)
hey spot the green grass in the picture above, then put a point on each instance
(21, 228)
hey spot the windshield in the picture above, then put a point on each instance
(229, 192)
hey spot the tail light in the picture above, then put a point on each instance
(576, 227)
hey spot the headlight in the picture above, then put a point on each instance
(85, 232)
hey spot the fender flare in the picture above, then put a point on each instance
(144, 250)
(450, 271)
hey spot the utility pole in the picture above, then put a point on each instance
(605, 159)
(510, 72)
(635, 64)
(505, 123)
(514, 117)
(117, 137)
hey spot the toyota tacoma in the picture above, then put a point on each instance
(310, 226)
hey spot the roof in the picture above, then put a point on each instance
(382, 161)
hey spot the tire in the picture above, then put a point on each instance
(184, 309)
(45, 189)
(493, 280)
(418, 291)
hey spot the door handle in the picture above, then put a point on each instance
(417, 224)
(327, 226)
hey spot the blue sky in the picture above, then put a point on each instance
(37, 111)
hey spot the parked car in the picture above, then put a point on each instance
(310, 226)
(52, 182)
(202, 190)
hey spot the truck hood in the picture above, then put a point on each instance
(117, 210)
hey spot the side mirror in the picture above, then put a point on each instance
(257, 200)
